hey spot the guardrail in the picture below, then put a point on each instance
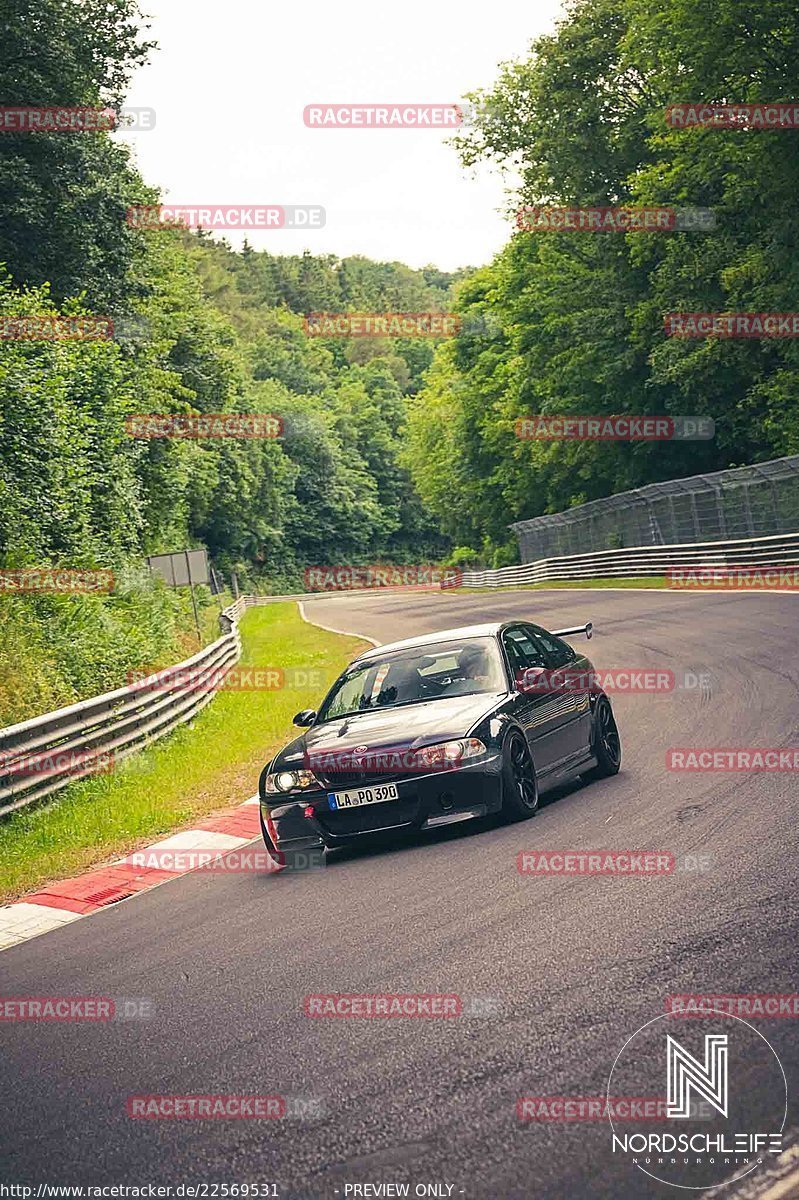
(124, 721)
(77, 741)
(778, 551)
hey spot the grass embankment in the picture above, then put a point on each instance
(648, 581)
(211, 763)
(58, 649)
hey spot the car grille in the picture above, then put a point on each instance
(336, 780)
(370, 816)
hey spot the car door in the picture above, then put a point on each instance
(541, 712)
(575, 671)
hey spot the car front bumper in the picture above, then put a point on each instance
(423, 802)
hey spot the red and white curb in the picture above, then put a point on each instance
(66, 900)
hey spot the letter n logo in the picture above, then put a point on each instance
(685, 1073)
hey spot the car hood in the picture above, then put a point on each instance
(408, 726)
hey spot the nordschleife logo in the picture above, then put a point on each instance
(726, 1099)
(685, 1074)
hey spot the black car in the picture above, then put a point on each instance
(438, 729)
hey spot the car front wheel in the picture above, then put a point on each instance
(519, 783)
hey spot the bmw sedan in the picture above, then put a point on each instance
(440, 728)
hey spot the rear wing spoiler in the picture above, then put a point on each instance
(587, 629)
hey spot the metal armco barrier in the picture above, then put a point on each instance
(778, 551)
(116, 724)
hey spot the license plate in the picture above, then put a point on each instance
(358, 796)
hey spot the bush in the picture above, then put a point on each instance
(58, 649)
(462, 557)
(506, 555)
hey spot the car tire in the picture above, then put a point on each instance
(519, 782)
(605, 741)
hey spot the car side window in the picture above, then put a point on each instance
(556, 652)
(522, 650)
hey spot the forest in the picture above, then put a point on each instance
(393, 450)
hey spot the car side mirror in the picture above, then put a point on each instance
(530, 679)
(306, 717)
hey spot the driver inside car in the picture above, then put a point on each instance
(474, 671)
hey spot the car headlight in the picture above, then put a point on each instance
(445, 755)
(281, 782)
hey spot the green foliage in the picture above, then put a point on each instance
(219, 332)
(392, 449)
(58, 649)
(581, 315)
(506, 555)
(462, 557)
(64, 195)
(68, 491)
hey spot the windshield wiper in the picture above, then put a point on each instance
(440, 696)
(424, 699)
(345, 716)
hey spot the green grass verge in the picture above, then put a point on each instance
(648, 581)
(211, 763)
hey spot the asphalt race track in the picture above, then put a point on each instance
(567, 968)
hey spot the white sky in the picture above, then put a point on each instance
(229, 83)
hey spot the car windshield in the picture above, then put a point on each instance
(442, 669)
